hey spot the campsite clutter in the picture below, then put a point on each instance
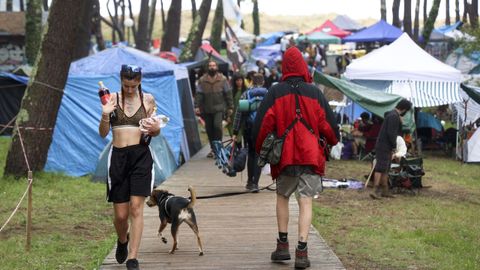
(378, 65)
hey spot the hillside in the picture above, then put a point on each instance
(267, 23)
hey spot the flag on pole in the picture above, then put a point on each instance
(234, 51)
(231, 11)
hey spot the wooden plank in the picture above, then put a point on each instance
(237, 232)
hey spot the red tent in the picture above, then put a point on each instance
(329, 28)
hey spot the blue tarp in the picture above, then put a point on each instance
(448, 28)
(18, 78)
(379, 32)
(426, 120)
(270, 38)
(267, 54)
(76, 144)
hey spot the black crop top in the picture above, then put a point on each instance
(121, 119)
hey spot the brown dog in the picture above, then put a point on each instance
(175, 210)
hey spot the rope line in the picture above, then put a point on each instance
(49, 86)
(8, 125)
(26, 128)
(23, 148)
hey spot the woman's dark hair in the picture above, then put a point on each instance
(235, 77)
(404, 105)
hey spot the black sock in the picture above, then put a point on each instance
(283, 236)
(302, 245)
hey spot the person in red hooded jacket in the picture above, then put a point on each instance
(302, 162)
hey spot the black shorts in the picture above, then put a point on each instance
(384, 160)
(130, 173)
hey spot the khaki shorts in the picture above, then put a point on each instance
(305, 185)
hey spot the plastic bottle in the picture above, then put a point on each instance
(103, 93)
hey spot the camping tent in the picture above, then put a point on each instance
(76, 144)
(267, 54)
(466, 63)
(346, 23)
(320, 37)
(12, 88)
(410, 72)
(468, 112)
(379, 32)
(331, 29)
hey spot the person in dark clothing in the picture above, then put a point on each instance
(302, 161)
(386, 143)
(245, 120)
(212, 100)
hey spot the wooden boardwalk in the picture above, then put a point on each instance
(237, 232)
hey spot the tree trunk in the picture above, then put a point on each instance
(242, 24)
(142, 42)
(256, 18)
(45, 91)
(416, 22)
(132, 30)
(194, 39)
(383, 10)
(117, 27)
(395, 13)
(82, 47)
(216, 34)
(163, 14)
(22, 5)
(407, 17)
(194, 9)
(474, 14)
(465, 11)
(151, 18)
(97, 26)
(432, 17)
(171, 32)
(447, 12)
(9, 6)
(457, 10)
(33, 30)
(45, 5)
(425, 15)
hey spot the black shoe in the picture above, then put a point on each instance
(121, 253)
(252, 187)
(281, 253)
(132, 264)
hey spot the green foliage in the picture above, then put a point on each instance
(469, 46)
(71, 226)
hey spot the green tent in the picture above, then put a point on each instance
(471, 92)
(320, 37)
(374, 101)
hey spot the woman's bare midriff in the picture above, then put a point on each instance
(126, 136)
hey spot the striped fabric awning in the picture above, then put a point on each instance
(427, 93)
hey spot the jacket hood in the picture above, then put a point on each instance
(293, 65)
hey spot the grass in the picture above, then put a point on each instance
(437, 229)
(71, 222)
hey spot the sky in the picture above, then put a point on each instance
(356, 9)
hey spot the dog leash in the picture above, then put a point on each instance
(228, 194)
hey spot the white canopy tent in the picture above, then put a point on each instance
(411, 71)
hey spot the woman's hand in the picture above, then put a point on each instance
(109, 107)
(151, 126)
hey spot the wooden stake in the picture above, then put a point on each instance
(370, 175)
(29, 211)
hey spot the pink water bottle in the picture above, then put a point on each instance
(103, 93)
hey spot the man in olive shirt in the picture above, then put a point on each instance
(212, 100)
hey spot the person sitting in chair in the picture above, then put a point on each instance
(360, 127)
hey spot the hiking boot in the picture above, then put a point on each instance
(132, 264)
(376, 195)
(252, 187)
(121, 253)
(301, 258)
(210, 155)
(387, 194)
(281, 253)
